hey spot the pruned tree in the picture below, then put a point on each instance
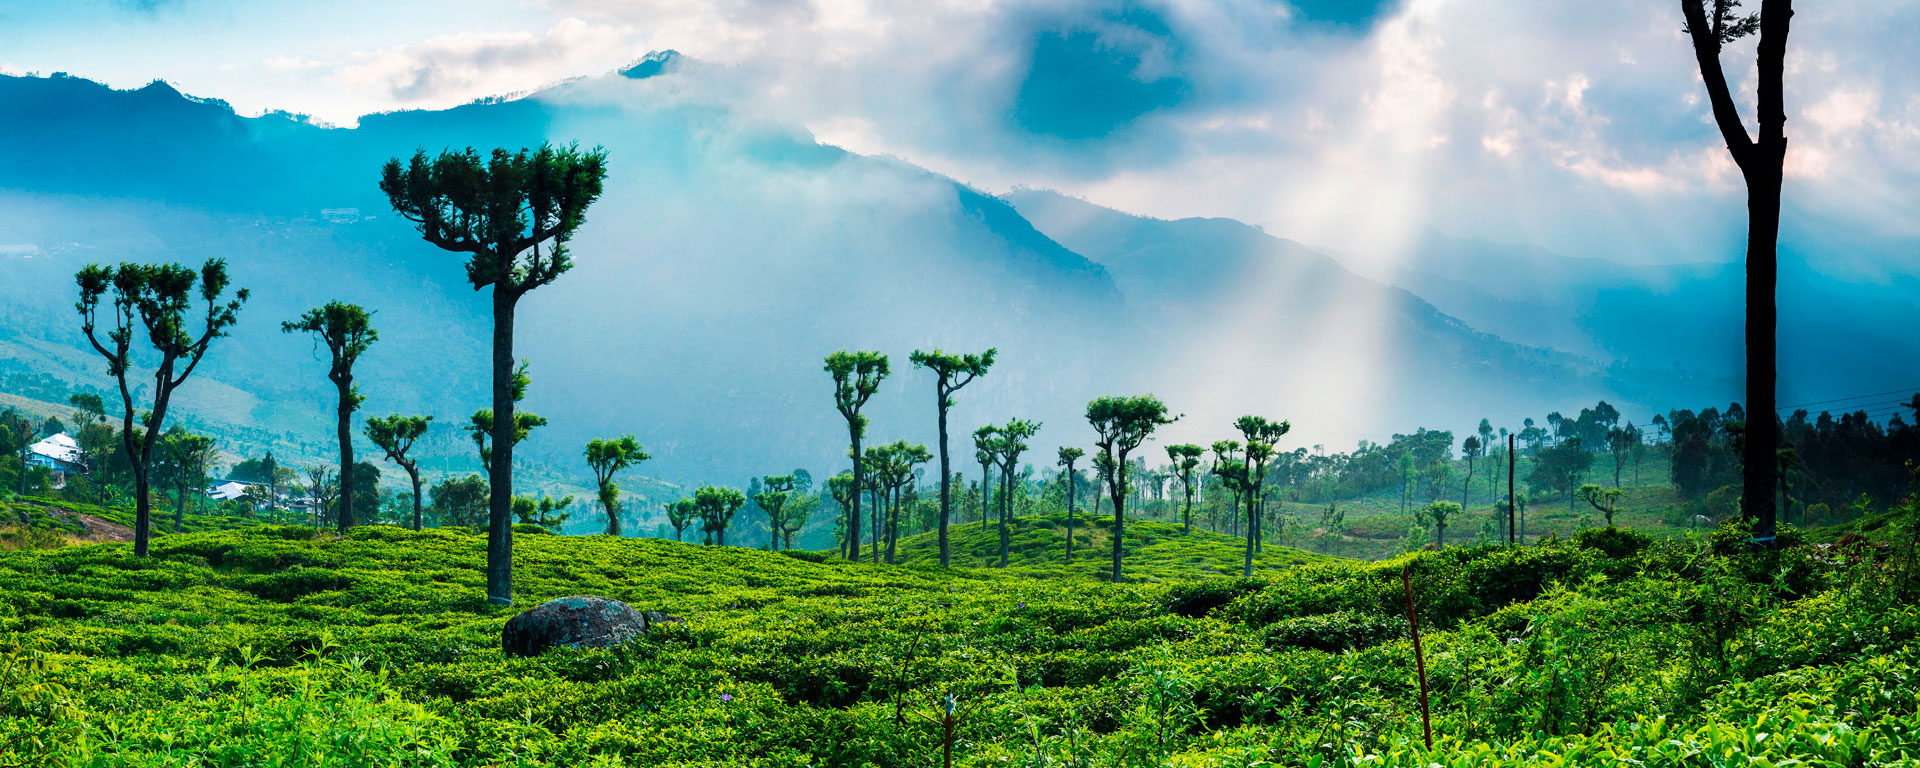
(772, 499)
(985, 440)
(794, 514)
(1068, 456)
(716, 506)
(841, 488)
(511, 215)
(323, 491)
(185, 461)
(154, 299)
(547, 512)
(1183, 459)
(347, 331)
(462, 501)
(893, 471)
(1470, 449)
(395, 435)
(481, 425)
(1011, 443)
(1250, 472)
(606, 457)
(1121, 424)
(951, 372)
(681, 514)
(856, 376)
(1606, 500)
(1710, 26)
(1437, 514)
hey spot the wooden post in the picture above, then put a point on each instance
(1512, 511)
(1419, 657)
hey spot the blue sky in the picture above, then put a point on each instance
(1353, 126)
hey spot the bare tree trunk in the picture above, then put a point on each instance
(413, 474)
(500, 473)
(946, 474)
(345, 429)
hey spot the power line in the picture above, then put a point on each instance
(1851, 407)
(1903, 391)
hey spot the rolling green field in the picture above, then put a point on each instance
(294, 647)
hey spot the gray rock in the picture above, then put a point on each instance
(576, 622)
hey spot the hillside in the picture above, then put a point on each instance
(278, 645)
(1155, 551)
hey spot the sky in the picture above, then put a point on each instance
(1360, 127)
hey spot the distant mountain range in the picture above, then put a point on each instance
(729, 255)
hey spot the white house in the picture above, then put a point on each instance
(59, 453)
(227, 490)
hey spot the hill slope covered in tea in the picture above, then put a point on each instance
(280, 646)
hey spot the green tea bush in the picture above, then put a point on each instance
(282, 646)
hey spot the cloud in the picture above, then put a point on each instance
(457, 68)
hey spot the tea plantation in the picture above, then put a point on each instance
(282, 646)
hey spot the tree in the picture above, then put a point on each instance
(480, 429)
(1183, 459)
(951, 372)
(88, 408)
(462, 502)
(1121, 424)
(1761, 164)
(1249, 474)
(606, 457)
(794, 513)
(395, 435)
(185, 460)
(1559, 468)
(156, 299)
(500, 212)
(716, 506)
(347, 330)
(1607, 500)
(1011, 443)
(18, 430)
(1437, 514)
(985, 440)
(894, 466)
(856, 376)
(840, 487)
(323, 490)
(772, 499)
(1067, 457)
(681, 514)
(547, 512)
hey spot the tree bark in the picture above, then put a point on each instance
(1116, 488)
(1512, 508)
(1070, 495)
(946, 472)
(500, 473)
(413, 473)
(853, 514)
(345, 429)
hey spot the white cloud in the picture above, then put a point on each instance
(458, 68)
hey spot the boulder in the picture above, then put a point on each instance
(576, 622)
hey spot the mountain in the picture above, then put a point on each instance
(727, 256)
(1837, 337)
(725, 259)
(1305, 335)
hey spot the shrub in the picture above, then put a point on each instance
(1335, 632)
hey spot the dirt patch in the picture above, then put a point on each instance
(102, 529)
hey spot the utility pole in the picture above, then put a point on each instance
(1512, 511)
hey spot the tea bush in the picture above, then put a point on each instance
(278, 646)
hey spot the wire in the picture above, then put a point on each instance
(1855, 397)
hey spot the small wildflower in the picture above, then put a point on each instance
(726, 697)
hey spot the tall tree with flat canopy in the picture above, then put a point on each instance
(856, 376)
(185, 460)
(1249, 473)
(1183, 459)
(1120, 425)
(606, 457)
(1068, 457)
(1470, 450)
(840, 487)
(512, 215)
(395, 435)
(951, 372)
(347, 330)
(1710, 25)
(1011, 444)
(156, 299)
